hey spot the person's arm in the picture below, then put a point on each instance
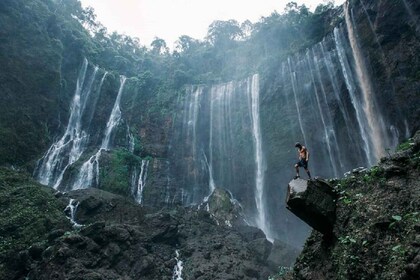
(307, 156)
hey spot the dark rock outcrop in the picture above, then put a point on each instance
(224, 209)
(377, 224)
(314, 202)
(117, 239)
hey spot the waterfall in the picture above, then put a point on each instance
(88, 172)
(72, 144)
(72, 208)
(369, 105)
(138, 189)
(220, 142)
(328, 58)
(259, 156)
(177, 275)
(351, 87)
(115, 117)
(90, 168)
(321, 112)
(131, 140)
(168, 183)
(212, 185)
(294, 90)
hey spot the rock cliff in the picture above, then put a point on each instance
(377, 229)
(92, 234)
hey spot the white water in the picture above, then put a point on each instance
(177, 275)
(259, 156)
(72, 208)
(321, 112)
(374, 119)
(336, 91)
(168, 183)
(293, 79)
(72, 144)
(115, 116)
(350, 83)
(88, 172)
(141, 182)
(90, 168)
(212, 185)
(131, 140)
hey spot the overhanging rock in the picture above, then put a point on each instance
(313, 201)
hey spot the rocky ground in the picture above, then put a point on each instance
(114, 238)
(376, 234)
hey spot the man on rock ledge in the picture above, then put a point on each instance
(303, 160)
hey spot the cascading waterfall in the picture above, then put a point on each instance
(325, 104)
(177, 275)
(138, 188)
(212, 185)
(259, 156)
(351, 87)
(327, 129)
(374, 118)
(115, 117)
(90, 169)
(72, 209)
(168, 183)
(221, 142)
(294, 87)
(72, 144)
(131, 140)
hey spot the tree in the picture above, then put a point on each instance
(159, 46)
(223, 32)
(186, 43)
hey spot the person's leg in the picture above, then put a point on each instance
(297, 171)
(309, 173)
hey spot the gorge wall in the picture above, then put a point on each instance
(348, 98)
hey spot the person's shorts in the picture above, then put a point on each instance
(302, 163)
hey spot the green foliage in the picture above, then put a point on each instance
(116, 171)
(404, 146)
(28, 211)
(346, 240)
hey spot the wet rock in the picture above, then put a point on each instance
(35, 251)
(313, 201)
(281, 255)
(261, 248)
(55, 234)
(167, 235)
(224, 208)
(412, 269)
(250, 233)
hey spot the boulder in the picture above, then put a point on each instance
(313, 201)
(224, 208)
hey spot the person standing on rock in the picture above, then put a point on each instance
(303, 160)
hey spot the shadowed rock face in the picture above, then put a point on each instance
(113, 238)
(313, 201)
(377, 224)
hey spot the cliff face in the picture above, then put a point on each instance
(377, 230)
(387, 34)
(92, 234)
(174, 143)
